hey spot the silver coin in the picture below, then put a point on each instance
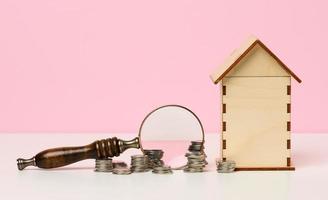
(121, 171)
(103, 165)
(196, 158)
(140, 156)
(225, 166)
(162, 170)
(194, 142)
(153, 152)
(139, 163)
(154, 157)
(193, 170)
(196, 165)
(194, 154)
(119, 164)
(196, 146)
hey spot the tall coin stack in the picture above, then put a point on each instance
(154, 157)
(104, 165)
(196, 157)
(139, 163)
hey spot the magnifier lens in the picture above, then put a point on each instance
(170, 129)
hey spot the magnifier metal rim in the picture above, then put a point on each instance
(170, 105)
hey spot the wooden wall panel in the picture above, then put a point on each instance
(256, 119)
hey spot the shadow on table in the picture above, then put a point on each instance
(303, 159)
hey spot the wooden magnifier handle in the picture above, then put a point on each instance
(62, 156)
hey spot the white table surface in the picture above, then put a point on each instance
(79, 181)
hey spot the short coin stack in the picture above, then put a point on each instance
(154, 157)
(139, 163)
(121, 168)
(162, 170)
(119, 164)
(121, 171)
(225, 166)
(104, 165)
(196, 157)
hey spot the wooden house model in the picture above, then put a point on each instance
(256, 107)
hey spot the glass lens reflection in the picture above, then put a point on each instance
(171, 128)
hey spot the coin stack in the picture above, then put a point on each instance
(119, 164)
(139, 163)
(196, 162)
(154, 157)
(122, 171)
(196, 146)
(121, 168)
(196, 157)
(104, 165)
(225, 166)
(162, 170)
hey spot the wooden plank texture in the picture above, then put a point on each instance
(258, 56)
(255, 121)
(258, 62)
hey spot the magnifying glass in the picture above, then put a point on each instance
(168, 130)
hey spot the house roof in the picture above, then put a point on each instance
(238, 55)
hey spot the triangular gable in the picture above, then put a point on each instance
(239, 54)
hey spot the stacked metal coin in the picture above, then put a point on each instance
(196, 146)
(162, 170)
(119, 164)
(154, 157)
(104, 165)
(196, 157)
(196, 162)
(227, 166)
(121, 168)
(122, 171)
(139, 163)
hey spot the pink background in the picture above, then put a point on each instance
(101, 66)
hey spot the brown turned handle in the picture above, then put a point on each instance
(58, 157)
